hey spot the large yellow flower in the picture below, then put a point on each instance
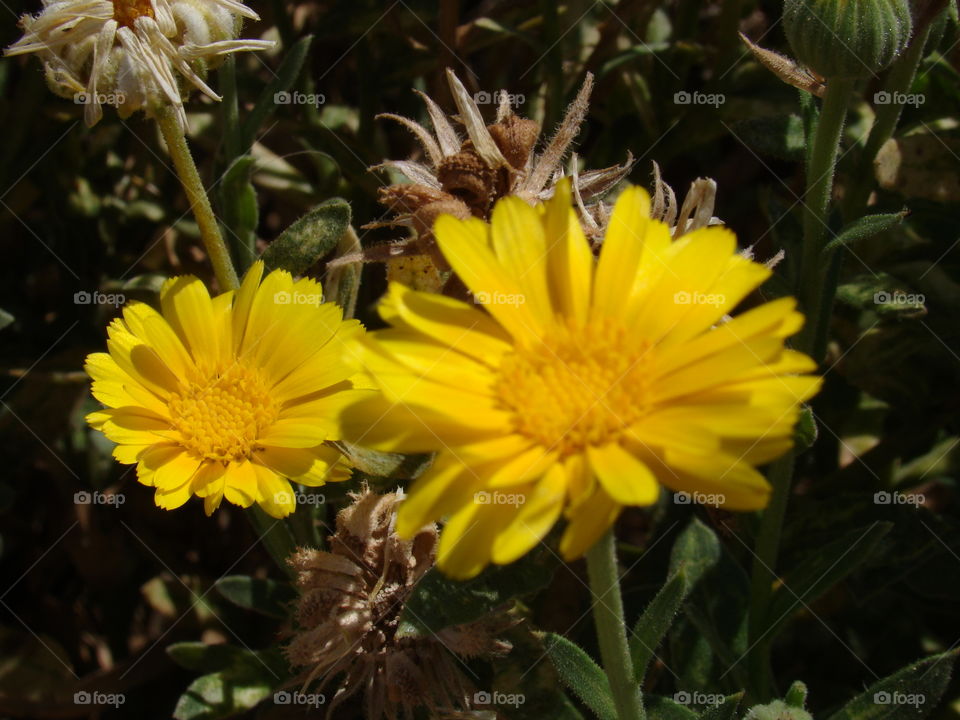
(229, 396)
(584, 385)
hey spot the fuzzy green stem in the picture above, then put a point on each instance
(823, 161)
(763, 576)
(275, 535)
(898, 82)
(186, 168)
(612, 628)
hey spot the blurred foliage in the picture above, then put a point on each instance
(93, 595)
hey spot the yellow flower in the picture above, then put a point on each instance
(585, 385)
(229, 396)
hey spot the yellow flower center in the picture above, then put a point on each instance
(221, 415)
(126, 11)
(580, 387)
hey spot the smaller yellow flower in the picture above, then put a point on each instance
(584, 384)
(231, 396)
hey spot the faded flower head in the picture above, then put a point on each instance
(133, 53)
(465, 176)
(348, 618)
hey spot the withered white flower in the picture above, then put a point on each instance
(129, 53)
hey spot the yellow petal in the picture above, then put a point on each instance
(622, 249)
(521, 247)
(623, 476)
(187, 307)
(569, 257)
(274, 493)
(244, 302)
(240, 483)
(464, 245)
(540, 510)
(587, 524)
(467, 539)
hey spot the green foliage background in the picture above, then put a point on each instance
(91, 596)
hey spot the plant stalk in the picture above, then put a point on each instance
(816, 206)
(763, 575)
(176, 140)
(612, 628)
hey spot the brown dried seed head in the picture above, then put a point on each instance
(516, 138)
(407, 199)
(465, 176)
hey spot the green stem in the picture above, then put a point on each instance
(611, 627)
(899, 81)
(816, 205)
(763, 576)
(275, 535)
(176, 140)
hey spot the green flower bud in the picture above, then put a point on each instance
(847, 38)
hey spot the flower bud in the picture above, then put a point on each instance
(847, 38)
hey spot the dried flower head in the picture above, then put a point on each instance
(464, 177)
(348, 618)
(128, 53)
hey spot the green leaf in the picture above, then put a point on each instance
(309, 238)
(910, 693)
(439, 602)
(864, 228)
(880, 293)
(581, 674)
(825, 567)
(286, 76)
(661, 708)
(522, 671)
(726, 710)
(805, 433)
(240, 212)
(268, 597)
(695, 551)
(245, 682)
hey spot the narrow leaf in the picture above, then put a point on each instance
(864, 228)
(581, 675)
(240, 212)
(910, 693)
(286, 76)
(267, 597)
(695, 551)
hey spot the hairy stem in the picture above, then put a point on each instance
(612, 628)
(176, 140)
